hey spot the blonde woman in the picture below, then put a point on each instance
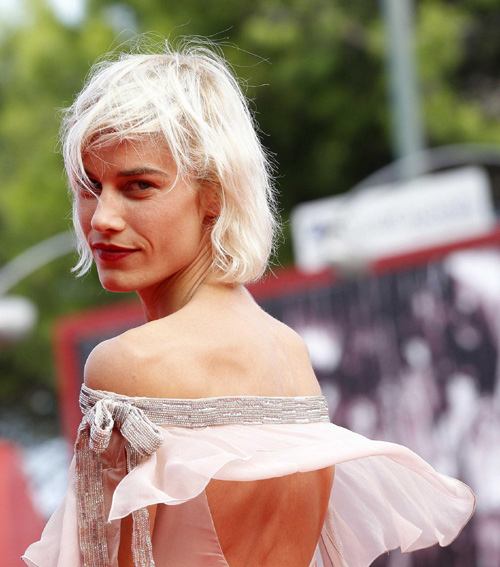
(205, 440)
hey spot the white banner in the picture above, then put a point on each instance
(385, 220)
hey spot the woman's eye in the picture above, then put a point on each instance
(140, 185)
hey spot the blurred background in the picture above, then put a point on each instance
(384, 118)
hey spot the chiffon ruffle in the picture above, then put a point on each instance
(384, 496)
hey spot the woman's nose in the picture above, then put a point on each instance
(108, 214)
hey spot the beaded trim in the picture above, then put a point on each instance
(137, 420)
(204, 412)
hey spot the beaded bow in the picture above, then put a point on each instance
(142, 439)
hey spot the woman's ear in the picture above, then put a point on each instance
(210, 200)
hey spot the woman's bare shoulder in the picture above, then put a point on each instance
(294, 354)
(194, 355)
(144, 361)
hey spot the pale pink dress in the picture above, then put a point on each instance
(384, 496)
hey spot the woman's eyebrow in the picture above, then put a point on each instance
(142, 171)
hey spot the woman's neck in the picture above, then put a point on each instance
(175, 292)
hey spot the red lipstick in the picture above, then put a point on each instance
(112, 253)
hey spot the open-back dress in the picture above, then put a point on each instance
(132, 453)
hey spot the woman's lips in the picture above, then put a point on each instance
(113, 254)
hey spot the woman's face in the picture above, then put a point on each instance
(143, 225)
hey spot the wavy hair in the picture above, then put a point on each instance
(190, 98)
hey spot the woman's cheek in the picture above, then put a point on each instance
(85, 210)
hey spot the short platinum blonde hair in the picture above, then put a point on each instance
(190, 99)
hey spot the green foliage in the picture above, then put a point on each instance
(449, 117)
(314, 69)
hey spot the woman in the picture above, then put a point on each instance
(205, 440)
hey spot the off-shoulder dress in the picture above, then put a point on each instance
(132, 453)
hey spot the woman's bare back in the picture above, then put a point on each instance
(270, 523)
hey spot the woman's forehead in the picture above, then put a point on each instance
(131, 154)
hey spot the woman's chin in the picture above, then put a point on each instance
(117, 285)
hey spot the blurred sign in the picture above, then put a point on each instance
(381, 221)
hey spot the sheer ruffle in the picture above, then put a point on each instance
(383, 497)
